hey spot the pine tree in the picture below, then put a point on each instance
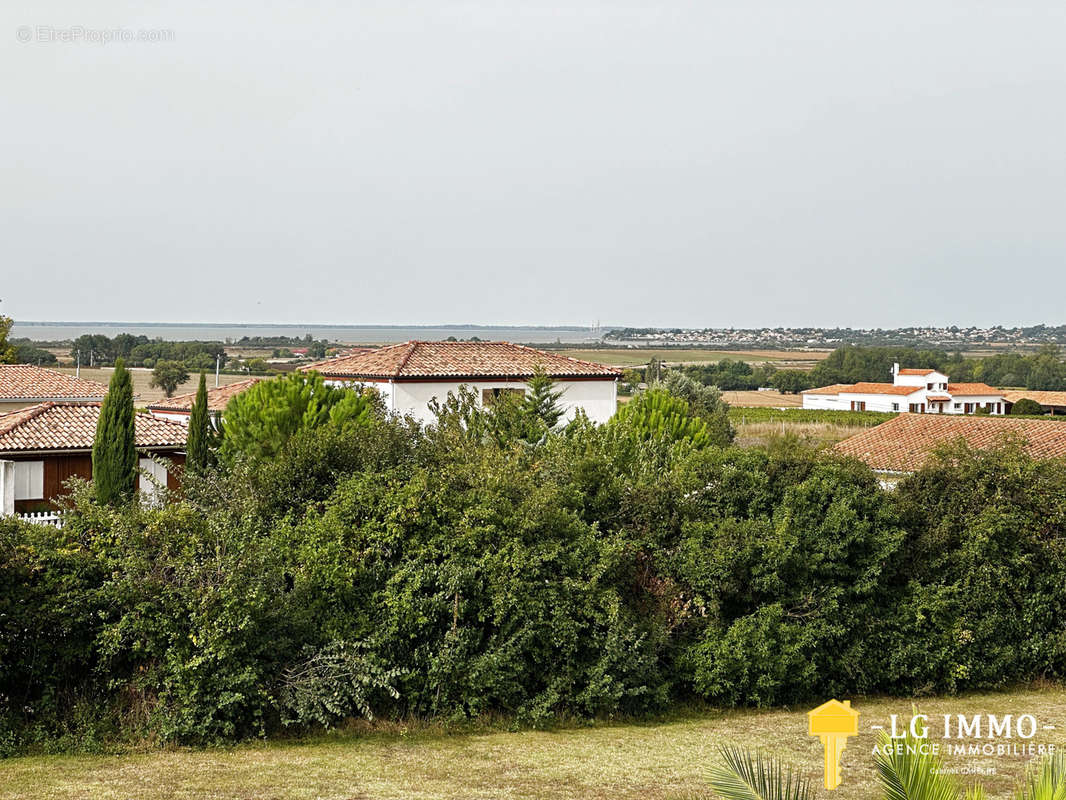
(542, 401)
(114, 449)
(197, 444)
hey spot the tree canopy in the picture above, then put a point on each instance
(258, 422)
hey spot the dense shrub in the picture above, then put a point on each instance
(485, 565)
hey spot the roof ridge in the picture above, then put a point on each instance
(412, 346)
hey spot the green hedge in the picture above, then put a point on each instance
(396, 571)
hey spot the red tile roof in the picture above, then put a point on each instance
(836, 388)
(1043, 398)
(938, 398)
(459, 360)
(27, 382)
(903, 444)
(880, 388)
(972, 389)
(72, 426)
(217, 399)
(916, 371)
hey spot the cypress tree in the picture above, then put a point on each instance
(197, 444)
(114, 449)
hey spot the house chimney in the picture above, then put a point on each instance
(895, 369)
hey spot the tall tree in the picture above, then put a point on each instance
(197, 444)
(115, 448)
(7, 351)
(541, 402)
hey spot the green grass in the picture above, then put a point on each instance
(746, 415)
(656, 760)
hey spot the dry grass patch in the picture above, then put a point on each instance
(142, 376)
(751, 399)
(655, 760)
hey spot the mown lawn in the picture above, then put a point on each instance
(668, 759)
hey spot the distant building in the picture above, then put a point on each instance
(410, 375)
(919, 391)
(23, 385)
(1052, 402)
(178, 409)
(902, 445)
(42, 446)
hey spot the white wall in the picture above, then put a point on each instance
(7, 488)
(171, 415)
(825, 401)
(962, 400)
(938, 379)
(884, 402)
(599, 399)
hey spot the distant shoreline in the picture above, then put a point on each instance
(353, 326)
(66, 331)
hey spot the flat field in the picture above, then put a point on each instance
(638, 356)
(750, 399)
(656, 760)
(145, 394)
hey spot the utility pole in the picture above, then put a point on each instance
(77, 367)
(218, 365)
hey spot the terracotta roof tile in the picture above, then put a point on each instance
(971, 389)
(217, 399)
(1043, 398)
(455, 360)
(938, 398)
(880, 388)
(835, 388)
(28, 382)
(72, 426)
(916, 371)
(903, 444)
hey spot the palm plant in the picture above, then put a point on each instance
(743, 776)
(905, 773)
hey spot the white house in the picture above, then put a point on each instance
(410, 375)
(921, 391)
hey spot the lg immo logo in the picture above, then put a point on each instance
(974, 735)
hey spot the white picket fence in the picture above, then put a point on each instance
(53, 518)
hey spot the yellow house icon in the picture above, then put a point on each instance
(833, 722)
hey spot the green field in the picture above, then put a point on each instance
(850, 419)
(664, 759)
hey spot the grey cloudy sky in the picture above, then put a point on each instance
(668, 163)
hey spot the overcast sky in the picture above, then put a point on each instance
(656, 163)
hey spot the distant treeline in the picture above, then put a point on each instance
(140, 351)
(1043, 370)
(27, 352)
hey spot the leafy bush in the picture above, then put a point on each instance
(1027, 407)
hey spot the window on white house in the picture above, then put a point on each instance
(958, 405)
(148, 485)
(29, 480)
(490, 396)
(895, 406)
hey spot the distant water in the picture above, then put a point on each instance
(352, 334)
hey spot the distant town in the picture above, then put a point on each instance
(819, 338)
